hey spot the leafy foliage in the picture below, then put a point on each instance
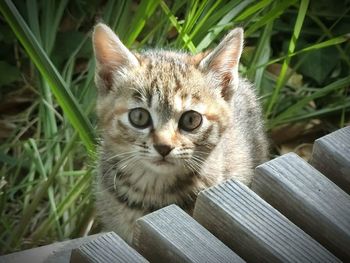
(297, 54)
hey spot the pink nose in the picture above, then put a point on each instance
(163, 149)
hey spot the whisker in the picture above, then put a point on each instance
(125, 156)
(121, 154)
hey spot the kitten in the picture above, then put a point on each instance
(172, 125)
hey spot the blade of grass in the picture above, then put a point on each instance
(23, 224)
(189, 15)
(80, 210)
(330, 42)
(30, 178)
(113, 12)
(270, 16)
(195, 11)
(215, 31)
(85, 221)
(73, 173)
(8, 159)
(52, 15)
(34, 152)
(261, 56)
(281, 78)
(63, 95)
(33, 18)
(159, 35)
(313, 115)
(46, 111)
(123, 23)
(253, 10)
(145, 9)
(73, 194)
(186, 39)
(288, 114)
(204, 19)
(212, 21)
(327, 31)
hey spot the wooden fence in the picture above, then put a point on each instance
(294, 212)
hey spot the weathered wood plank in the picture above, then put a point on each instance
(308, 199)
(171, 235)
(55, 253)
(331, 156)
(106, 248)
(253, 228)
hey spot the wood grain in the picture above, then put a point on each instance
(54, 253)
(171, 235)
(253, 228)
(308, 199)
(107, 248)
(331, 156)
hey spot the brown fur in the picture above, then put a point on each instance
(134, 178)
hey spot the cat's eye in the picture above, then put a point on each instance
(140, 118)
(190, 121)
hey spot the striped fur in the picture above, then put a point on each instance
(133, 180)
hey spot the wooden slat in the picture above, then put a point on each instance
(307, 198)
(253, 228)
(171, 235)
(105, 249)
(331, 156)
(55, 253)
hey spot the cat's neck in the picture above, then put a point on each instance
(140, 188)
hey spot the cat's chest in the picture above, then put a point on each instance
(142, 189)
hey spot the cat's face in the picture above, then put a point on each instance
(160, 110)
(163, 115)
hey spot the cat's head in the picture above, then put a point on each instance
(163, 110)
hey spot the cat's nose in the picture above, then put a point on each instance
(163, 149)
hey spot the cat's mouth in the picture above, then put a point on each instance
(162, 162)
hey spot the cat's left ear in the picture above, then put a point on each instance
(111, 56)
(223, 61)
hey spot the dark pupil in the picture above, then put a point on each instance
(139, 118)
(190, 120)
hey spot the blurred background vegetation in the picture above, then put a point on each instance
(296, 52)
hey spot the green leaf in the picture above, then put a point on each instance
(318, 64)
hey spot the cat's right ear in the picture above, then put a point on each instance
(111, 56)
(223, 61)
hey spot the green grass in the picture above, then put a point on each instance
(47, 153)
